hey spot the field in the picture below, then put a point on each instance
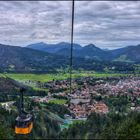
(59, 76)
(58, 101)
(33, 78)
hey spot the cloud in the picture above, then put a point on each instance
(107, 24)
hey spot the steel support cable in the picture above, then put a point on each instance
(71, 48)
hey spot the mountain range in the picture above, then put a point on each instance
(25, 59)
(125, 54)
(90, 57)
(52, 48)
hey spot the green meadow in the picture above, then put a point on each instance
(26, 77)
(59, 76)
(58, 101)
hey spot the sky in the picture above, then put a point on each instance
(107, 24)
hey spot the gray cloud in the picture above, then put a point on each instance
(107, 24)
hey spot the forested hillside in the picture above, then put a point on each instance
(125, 54)
(18, 59)
(112, 126)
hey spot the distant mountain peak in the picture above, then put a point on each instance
(39, 43)
(68, 43)
(8, 45)
(37, 46)
(63, 43)
(91, 47)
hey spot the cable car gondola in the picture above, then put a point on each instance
(24, 121)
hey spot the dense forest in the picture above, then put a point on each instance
(97, 126)
(46, 125)
(111, 126)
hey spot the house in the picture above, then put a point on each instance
(100, 108)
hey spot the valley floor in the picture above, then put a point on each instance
(91, 93)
